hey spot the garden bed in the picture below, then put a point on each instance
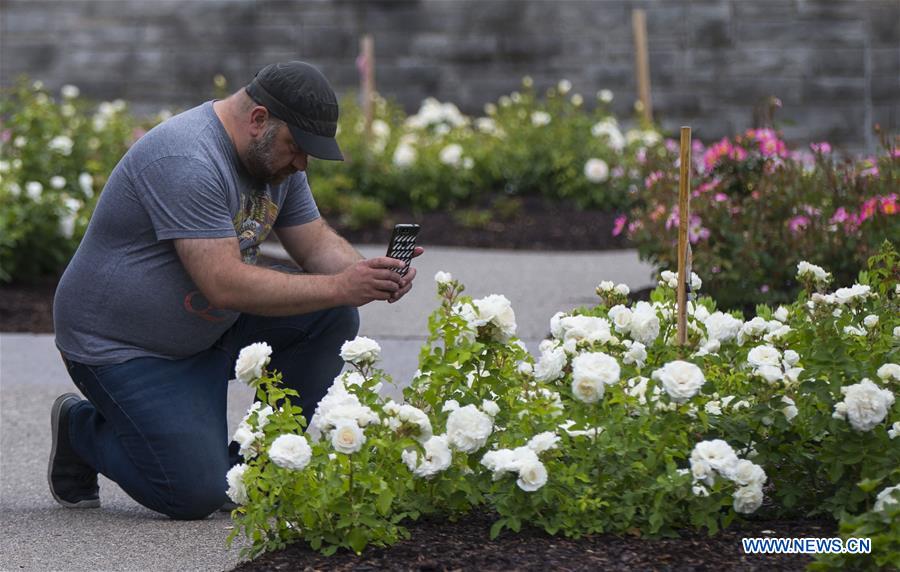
(465, 545)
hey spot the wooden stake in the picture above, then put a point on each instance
(642, 62)
(367, 79)
(684, 206)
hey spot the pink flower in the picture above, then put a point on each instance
(6, 135)
(764, 288)
(798, 223)
(672, 145)
(889, 204)
(619, 225)
(696, 232)
(839, 216)
(653, 178)
(618, 172)
(823, 148)
(641, 156)
(708, 186)
(720, 197)
(657, 212)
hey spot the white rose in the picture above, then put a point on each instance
(443, 277)
(468, 429)
(34, 190)
(70, 91)
(770, 373)
(247, 438)
(621, 318)
(596, 170)
(86, 182)
(781, 314)
(886, 497)
(636, 354)
(894, 431)
(543, 442)
(889, 371)
(360, 350)
(865, 404)
(237, 490)
(816, 272)
(700, 491)
(681, 380)
(585, 329)
(791, 358)
(847, 295)
(644, 323)
(748, 473)
(532, 476)
(764, 355)
(722, 327)
(347, 438)
(490, 407)
(251, 361)
(57, 182)
(870, 321)
(897, 332)
(500, 461)
(717, 454)
(540, 118)
(450, 405)
(497, 310)
(550, 365)
(437, 457)
(596, 365)
(556, 329)
(451, 155)
(290, 452)
(605, 95)
(748, 499)
(790, 410)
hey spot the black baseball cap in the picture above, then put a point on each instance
(298, 94)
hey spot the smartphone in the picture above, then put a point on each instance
(402, 245)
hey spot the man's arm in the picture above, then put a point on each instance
(215, 266)
(317, 248)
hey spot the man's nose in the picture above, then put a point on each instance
(300, 161)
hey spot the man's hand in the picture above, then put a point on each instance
(406, 284)
(368, 280)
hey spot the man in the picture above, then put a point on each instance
(163, 293)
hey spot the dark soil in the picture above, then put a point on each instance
(538, 225)
(466, 545)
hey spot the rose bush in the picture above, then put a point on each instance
(759, 208)
(785, 415)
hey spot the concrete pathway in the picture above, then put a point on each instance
(37, 534)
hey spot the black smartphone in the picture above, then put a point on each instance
(402, 245)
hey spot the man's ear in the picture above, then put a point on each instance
(259, 115)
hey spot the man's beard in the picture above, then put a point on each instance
(259, 158)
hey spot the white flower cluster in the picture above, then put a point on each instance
(437, 457)
(360, 351)
(865, 405)
(670, 279)
(441, 116)
(716, 457)
(890, 495)
(523, 460)
(249, 433)
(494, 313)
(841, 297)
(722, 327)
(468, 428)
(816, 273)
(607, 286)
(768, 363)
(596, 170)
(572, 330)
(760, 329)
(406, 416)
(251, 361)
(591, 373)
(888, 372)
(609, 129)
(442, 277)
(237, 489)
(341, 416)
(551, 363)
(641, 323)
(680, 379)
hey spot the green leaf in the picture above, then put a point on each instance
(357, 540)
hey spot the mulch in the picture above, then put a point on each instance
(437, 545)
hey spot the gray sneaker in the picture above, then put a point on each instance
(72, 482)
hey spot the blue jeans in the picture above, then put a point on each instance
(158, 427)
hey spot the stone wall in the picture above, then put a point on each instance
(835, 64)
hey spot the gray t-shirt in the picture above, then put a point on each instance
(125, 294)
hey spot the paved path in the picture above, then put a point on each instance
(37, 534)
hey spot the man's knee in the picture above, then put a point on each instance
(196, 494)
